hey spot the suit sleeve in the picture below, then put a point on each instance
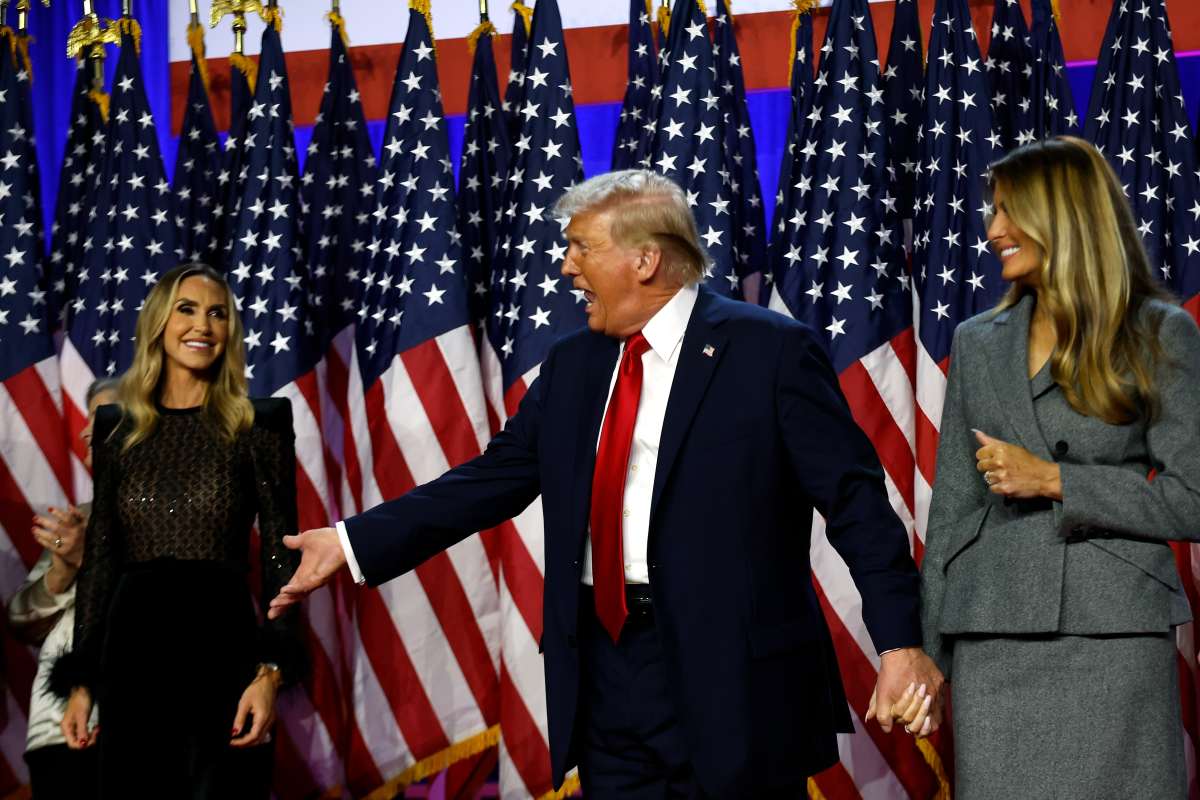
(1121, 501)
(838, 470)
(398, 535)
(959, 497)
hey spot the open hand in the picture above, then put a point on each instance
(321, 557)
(1010, 470)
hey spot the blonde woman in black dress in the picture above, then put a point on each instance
(166, 636)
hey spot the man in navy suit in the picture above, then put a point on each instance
(679, 445)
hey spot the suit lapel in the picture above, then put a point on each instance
(701, 351)
(1008, 354)
(598, 371)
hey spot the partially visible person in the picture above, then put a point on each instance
(166, 638)
(42, 613)
(1069, 458)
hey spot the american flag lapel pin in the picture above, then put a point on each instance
(709, 350)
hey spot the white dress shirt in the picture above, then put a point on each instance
(664, 333)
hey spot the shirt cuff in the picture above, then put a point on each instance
(348, 551)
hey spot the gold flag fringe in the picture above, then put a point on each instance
(245, 66)
(18, 44)
(422, 7)
(664, 21)
(1054, 9)
(482, 29)
(100, 98)
(195, 38)
(650, 9)
(934, 760)
(800, 7)
(814, 791)
(703, 9)
(130, 26)
(438, 762)
(527, 14)
(339, 22)
(569, 787)
(273, 16)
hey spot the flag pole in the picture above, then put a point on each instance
(483, 11)
(3, 13)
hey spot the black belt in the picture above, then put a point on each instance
(639, 602)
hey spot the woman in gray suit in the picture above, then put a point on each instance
(1069, 458)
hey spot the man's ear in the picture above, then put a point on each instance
(649, 263)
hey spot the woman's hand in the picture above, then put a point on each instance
(75, 720)
(257, 703)
(1010, 470)
(61, 532)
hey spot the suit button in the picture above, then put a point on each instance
(653, 565)
(575, 563)
(571, 640)
(1061, 448)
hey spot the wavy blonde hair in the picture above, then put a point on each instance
(1095, 276)
(226, 404)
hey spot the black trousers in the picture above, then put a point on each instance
(630, 744)
(56, 772)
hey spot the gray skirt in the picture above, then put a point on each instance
(1066, 717)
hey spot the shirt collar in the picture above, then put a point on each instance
(665, 330)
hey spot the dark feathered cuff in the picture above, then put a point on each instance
(70, 670)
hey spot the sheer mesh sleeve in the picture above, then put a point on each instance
(273, 449)
(102, 553)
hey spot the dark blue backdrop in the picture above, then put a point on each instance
(54, 75)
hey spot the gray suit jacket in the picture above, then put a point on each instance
(1096, 563)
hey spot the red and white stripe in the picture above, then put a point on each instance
(35, 472)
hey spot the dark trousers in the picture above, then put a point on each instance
(630, 744)
(56, 772)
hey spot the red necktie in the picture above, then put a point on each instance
(608, 488)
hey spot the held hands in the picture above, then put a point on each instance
(909, 690)
(321, 557)
(257, 703)
(75, 720)
(1012, 471)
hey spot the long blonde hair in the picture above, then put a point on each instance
(1095, 276)
(226, 404)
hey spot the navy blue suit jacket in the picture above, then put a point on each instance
(757, 434)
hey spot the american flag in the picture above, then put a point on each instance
(740, 163)
(845, 276)
(903, 96)
(269, 279)
(338, 193)
(514, 92)
(800, 79)
(531, 306)
(130, 241)
(636, 126)
(425, 674)
(956, 273)
(1137, 118)
(1055, 114)
(81, 159)
(35, 469)
(1010, 68)
(196, 191)
(232, 177)
(689, 141)
(482, 173)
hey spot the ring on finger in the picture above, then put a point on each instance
(58, 543)
(988, 479)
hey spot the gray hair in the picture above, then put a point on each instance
(646, 208)
(101, 385)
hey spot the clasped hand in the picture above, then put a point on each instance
(910, 690)
(1010, 470)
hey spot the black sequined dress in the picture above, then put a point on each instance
(166, 633)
